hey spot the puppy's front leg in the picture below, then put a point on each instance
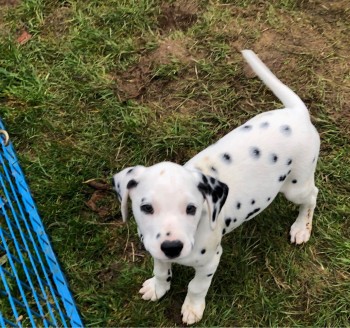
(154, 288)
(194, 305)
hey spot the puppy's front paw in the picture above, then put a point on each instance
(300, 233)
(192, 312)
(153, 290)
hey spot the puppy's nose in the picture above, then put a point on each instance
(172, 249)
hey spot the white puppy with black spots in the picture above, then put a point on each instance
(182, 212)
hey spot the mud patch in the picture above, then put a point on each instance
(179, 15)
(134, 82)
(102, 201)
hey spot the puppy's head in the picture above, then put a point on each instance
(168, 201)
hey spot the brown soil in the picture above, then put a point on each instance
(179, 15)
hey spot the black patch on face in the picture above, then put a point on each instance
(227, 158)
(132, 184)
(238, 205)
(294, 181)
(290, 161)
(274, 158)
(255, 152)
(252, 213)
(168, 279)
(247, 127)
(286, 130)
(282, 178)
(264, 125)
(203, 251)
(228, 222)
(212, 180)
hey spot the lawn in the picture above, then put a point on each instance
(90, 87)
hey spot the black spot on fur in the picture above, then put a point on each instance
(252, 202)
(209, 275)
(234, 220)
(227, 158)
(168, 234)
(247, 127)
(313, 160)
(286, 130)
(169, 272)
(255, 152)
(290, 161)
(282, 178)
(252, 213)
(223, 232)
(214, 215)
(204, 178)
(289, 172)
(203, 251)
(130, 171)
(269, 199)
(168, 279)
(294, 181)
(132, 184)
(212, 180)
(228, 222)
(264, 125)
(219, 191)
(274, 158)
(158, 236)
(213, 169)
(204, 188)
(238, 205)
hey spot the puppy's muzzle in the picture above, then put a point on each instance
(172, 249)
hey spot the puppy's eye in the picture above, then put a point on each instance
(147, 209)
(191, 209)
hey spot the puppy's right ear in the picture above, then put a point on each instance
(123, 182)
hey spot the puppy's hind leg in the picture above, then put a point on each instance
(305, 196)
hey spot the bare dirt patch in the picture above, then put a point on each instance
(57, 22)
(135, 82)
(179, 15)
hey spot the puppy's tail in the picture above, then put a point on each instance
(281, 91)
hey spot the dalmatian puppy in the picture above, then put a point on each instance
(182, 212)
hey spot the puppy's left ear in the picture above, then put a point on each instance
(123, 182)
(215, 193)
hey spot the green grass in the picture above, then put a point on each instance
(64, 98)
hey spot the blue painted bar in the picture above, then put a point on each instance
(33, 288)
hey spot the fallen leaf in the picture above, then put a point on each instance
(24, 37)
